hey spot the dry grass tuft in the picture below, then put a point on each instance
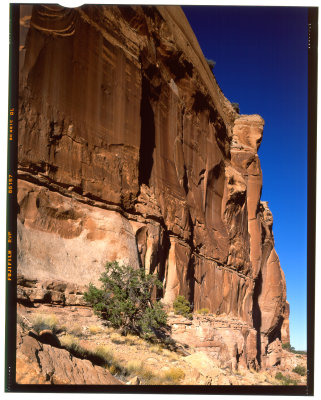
(105, 352)
(148, 377)
(45, 321)
(95, 329)
(156, 349)
(174, 375)
(76, 330)
(133, 366)
(112, 369)
(69, 341)
(117, 338)
(172, 355)
(203, 311)
(101, 355)
(136, 367)
(132, 340)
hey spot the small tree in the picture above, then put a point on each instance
(182, 307)
(287, 346)
(125, 300)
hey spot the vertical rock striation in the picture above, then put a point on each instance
(129, 151)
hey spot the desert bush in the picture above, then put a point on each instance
(279, 376)
(203, 311)
(287, 346)
(285, 379)
(169, 342)
(300, 369)
(236, 107)
(125, 300)
(182, 307)
(299, 352)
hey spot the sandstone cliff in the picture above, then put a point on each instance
(129, 151)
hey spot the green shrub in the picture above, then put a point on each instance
(236, 107)
(203, 311)
(279, 376)
(300, 369)
(182, 307)
(285, 379)
(300, 352)
(125, 300)
(287, 346)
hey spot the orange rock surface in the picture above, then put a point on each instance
(129, 151)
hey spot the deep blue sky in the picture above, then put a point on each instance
(261, 63)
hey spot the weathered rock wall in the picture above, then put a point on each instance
(129, 151)
(41, 363)
(224, 338)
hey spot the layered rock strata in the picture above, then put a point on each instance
(227, 339)
(129, 151)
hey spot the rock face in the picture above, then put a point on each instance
(39, 363)
(129, 151)
(224, 338)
